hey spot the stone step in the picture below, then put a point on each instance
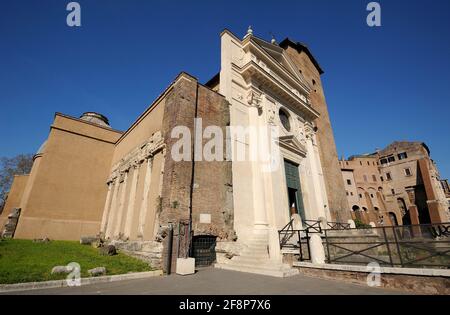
(256, 249)
(262, 270)
(258, 244)
(248, 252)
(290, 251)
(250, 260)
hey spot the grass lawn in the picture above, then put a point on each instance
(25, 261)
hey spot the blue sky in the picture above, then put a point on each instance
(382, 84)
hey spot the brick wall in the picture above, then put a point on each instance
(334, 183)
(210, 189)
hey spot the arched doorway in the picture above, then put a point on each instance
(393, 218)
(204, 250)
(403, 211)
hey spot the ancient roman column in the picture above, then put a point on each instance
(113, 209)
(132, 200)
(144, 205)
(106, 208)
(118, 222)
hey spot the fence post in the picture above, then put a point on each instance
(300, 244)
(317, 252)
(388, 247)
(398, 246)
(328, 247)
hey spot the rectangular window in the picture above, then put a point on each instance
(349, 182)
(382, 179)
(360, 196)
(408, 171)
(351, 193)
(346, 193)
(391, 159)
(402, 156)
(388, 176)
(374, 178)
(393, 191)
(383, 161)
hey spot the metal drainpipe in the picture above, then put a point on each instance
(188, 252)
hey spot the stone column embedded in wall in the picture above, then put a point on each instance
(314, 173)
(132, 201)
(113, 209)
(414, 217)
(144, 205)
(118, 222)
(260, 213)
(106, 209)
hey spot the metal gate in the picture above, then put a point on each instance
(204, 250)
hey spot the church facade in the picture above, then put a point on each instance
(89, 179)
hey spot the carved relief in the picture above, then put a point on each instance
(301, 135)
(309, 132)
(272, 110)
(254, 99)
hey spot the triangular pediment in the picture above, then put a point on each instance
(278, 53)
(292, 144)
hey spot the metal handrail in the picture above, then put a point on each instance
(290, 224)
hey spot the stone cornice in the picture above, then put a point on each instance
(252, 71)
(138, 156)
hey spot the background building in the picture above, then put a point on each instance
(397, 185)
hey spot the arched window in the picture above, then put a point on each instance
(355, 208)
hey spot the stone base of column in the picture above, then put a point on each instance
(261, 228)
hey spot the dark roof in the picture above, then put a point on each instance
(301, 47)
(213, 81)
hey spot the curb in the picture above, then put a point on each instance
(84, 281)
(428, 272)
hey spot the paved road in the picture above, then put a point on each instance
(212, 281)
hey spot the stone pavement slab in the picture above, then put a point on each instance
(212, 281)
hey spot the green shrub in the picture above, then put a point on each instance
(360, 225)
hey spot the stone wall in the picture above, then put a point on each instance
(148, 251)
(410, 283)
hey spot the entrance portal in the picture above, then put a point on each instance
(204, 250)
(294, 189)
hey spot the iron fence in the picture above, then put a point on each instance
(425, 245)
(313, 226)
(299, 242)
(338, 226)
